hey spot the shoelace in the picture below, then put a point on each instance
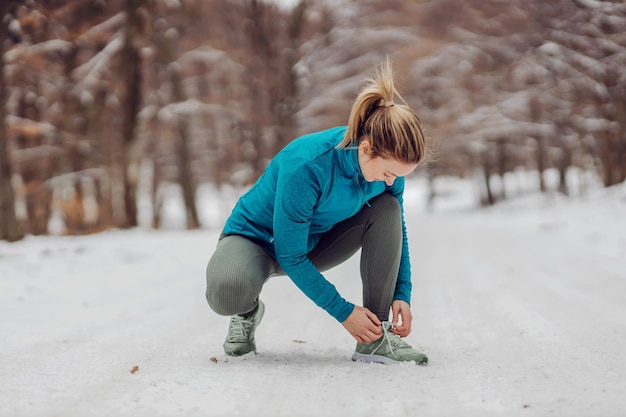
(239, 329)
(393, 339)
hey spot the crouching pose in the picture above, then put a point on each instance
(322, 198)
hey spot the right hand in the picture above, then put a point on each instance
(363, 325)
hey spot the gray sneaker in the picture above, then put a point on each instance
(240, 338)
(390, 348)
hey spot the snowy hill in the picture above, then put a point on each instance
(520, 309)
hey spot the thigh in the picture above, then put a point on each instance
(338, 244)
(347, 237)
(239, 257)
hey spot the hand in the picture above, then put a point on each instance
(401, 310)
(363, 325)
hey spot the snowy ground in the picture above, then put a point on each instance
(521, 309)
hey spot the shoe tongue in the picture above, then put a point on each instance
(387, 325)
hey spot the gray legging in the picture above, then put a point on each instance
(238, 268)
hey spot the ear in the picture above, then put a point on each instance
(365, 146)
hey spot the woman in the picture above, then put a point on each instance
(322, 198)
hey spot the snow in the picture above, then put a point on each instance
(193, 106)
(110, 25)
(88, 73)
(520, 308)
(51, 46)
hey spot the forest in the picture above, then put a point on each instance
(108, 105)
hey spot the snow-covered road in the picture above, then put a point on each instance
(522, 311)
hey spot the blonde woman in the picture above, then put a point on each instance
(322, 198)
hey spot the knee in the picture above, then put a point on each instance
(229, 293)
(387, 205)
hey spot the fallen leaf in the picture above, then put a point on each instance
(213, 359)
(134, 369)
(298, 341)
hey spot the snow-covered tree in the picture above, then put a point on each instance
(103, 109)
(519, 75)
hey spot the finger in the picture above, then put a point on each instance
(376, 329)
(397, 329)
(401, 334)
(395, 316)
(371, 337)
(373, 317)
(401, 330)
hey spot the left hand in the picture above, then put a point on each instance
(402, 318)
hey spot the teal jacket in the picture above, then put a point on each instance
(307, 188)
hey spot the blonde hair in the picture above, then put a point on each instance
(394, 130)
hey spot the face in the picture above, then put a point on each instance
(381, 169)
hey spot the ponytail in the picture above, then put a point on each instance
(393, 130)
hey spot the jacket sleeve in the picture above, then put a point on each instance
(297, 192)
(403, 284)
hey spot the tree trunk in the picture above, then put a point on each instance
(621, 136)
(185, 176)
(102, 187)
(285, 111)
(38, 203)
(8, 222)
(487, 199)
(101, 128)
(432, 193)
(541, 163)
(501, 163)
(157, 201)
(131, 64)
(606, 156)
(75, 209)
(564, 162)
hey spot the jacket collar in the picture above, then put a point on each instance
(348, 159)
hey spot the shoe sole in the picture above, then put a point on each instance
(361, 357)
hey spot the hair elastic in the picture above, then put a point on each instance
(387, 103)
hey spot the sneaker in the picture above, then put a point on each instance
(390, 348)
(240, 338)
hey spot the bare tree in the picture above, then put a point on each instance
(8, 222)
(93, 93)
(551, 72)
(185, 176)
(131, 69)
